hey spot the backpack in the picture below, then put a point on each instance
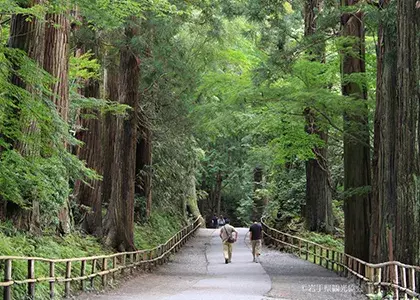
(230, 238)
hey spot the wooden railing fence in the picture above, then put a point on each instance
(389, 277)
(76, 273)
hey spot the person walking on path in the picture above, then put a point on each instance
(226, 234)
(214, 222)
(221, 221)
(255, 231)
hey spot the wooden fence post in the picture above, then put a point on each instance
(104, 268)
(52, 279)
(67, 283)
(144, 264)
(7, 290)
(123, 264)
(345, 262)
(300, 248)
(327, 259)
(92, 279)
(31, 275)
(83, 273)
(395, 281)
(131, 263)
(162, 251)
(378, 279)
(114, 267)
(404, 280)
(149, 265)
(370, 275)
(413, 280)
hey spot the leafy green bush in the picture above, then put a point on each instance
(324, 239)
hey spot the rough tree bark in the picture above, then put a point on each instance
(143, 169)
(384, 201)
(318, 208)
(109, 128)
(407, 244)
(144, 146)
(119, 223)
(56, 62)
(89, 197)
(357, 178)
(27, 34)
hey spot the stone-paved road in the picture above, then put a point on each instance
(198, 272)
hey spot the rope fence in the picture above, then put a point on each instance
(389, 277)
(79, 273)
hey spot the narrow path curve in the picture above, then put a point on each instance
(198, 272)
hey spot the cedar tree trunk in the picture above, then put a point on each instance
(119, 224)
(56, 62)
(407, 245)
(27, 34)
(89, 197)
(144, 170)
(109, 128)
(384, 198)
(357, 177)
(318, 208)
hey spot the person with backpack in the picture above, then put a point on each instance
(226, 234)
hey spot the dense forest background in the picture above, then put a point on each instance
(121, 118)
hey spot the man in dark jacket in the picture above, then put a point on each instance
(256, 233)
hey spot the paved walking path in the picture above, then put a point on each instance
(198, 272)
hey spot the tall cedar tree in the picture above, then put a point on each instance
(143, 168)
(144, 151)
(27, 33)
(109, 125)
(119, 223)
(407, 245)
(318, 209)
(56, 62)
(384, 200)
(90, 196)
(356, 139)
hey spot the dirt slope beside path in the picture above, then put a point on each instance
(198, 272)
(296, 279)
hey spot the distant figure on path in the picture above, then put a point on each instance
(255, 236)
(214, 223)
(221, 221)
(226, 234)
